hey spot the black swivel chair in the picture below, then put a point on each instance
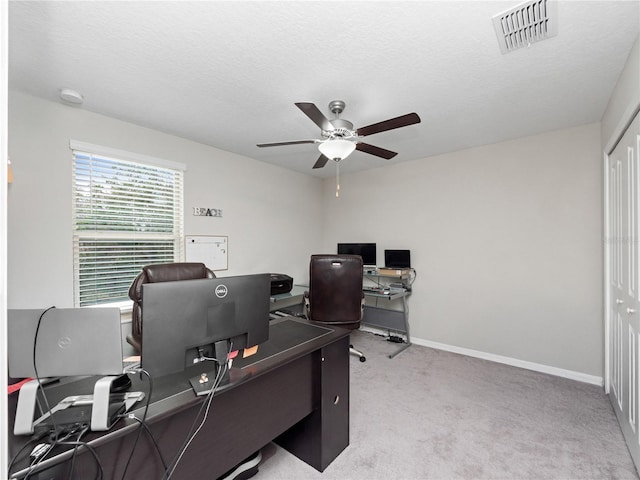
(162, 272)
(335, 292)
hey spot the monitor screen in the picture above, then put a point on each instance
(183, 321)
(70, 342)
(366, 250)
(397, 258)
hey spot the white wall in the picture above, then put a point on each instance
(506, 241)
(270, 214)
(506, 238)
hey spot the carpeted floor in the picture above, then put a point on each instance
(429, 414)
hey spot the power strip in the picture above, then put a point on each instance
(395, 339)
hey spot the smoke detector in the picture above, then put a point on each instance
(68, 95)
(525, 24)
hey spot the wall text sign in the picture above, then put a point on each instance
(206, 212)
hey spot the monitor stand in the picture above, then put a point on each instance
(23, 423)
(205, 382)
(101, 410)
(100, 417)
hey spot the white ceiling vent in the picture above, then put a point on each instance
(525, 24)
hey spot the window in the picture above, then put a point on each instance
(127, 213)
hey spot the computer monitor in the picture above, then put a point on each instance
(366, 250)
(185, 321)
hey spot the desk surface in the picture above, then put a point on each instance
(297, 292)
(285, 359)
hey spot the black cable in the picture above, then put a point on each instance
(153, 439)
(40, 387)
(92, 451)
(73, 461)
(192, 433)
(206, 404)
(32, 440)
(413, 279)
(75, 450)
(216, 382)
(35, 368)
(54, 439)
(144, 418)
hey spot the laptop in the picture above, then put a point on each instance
(71, 341)
(397, 258)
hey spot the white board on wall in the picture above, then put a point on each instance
(210, 250)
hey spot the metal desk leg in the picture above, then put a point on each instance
(405, 307)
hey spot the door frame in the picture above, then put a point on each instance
(624, 123)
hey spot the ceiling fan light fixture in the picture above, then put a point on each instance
(337, 149)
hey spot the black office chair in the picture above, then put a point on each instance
(335, 292)
(162, 272)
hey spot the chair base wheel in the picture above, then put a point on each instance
(246, 469)
(358, 353)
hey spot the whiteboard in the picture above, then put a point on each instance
(210, 250)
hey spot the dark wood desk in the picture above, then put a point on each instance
(294, 393)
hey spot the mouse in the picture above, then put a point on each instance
(121, 384)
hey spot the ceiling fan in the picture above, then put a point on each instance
(340, 139)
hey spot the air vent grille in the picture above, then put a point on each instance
(525, 24)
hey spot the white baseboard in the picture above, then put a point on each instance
(514, 362)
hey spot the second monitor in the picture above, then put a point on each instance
(366, 250)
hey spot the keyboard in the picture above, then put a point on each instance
(378, 290)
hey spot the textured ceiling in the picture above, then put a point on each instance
(227, 73)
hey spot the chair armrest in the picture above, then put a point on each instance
(307, 303)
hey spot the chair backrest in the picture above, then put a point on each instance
(335, 289)
(162, 272)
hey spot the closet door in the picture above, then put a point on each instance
(623, 296)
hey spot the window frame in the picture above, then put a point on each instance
(125, 157)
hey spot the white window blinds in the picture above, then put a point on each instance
(126, 215)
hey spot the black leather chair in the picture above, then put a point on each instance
(162, 272)
(335, 292)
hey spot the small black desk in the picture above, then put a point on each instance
(294, 393)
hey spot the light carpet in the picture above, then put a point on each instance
(430, 414)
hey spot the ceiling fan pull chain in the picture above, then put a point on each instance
(337, 179)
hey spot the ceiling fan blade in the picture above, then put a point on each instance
(279, 144)
(377, 151)
(311, 111)
(401, 121)
(321, 162)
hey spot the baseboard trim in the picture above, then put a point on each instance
(514, 362)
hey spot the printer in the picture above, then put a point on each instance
(280, 283)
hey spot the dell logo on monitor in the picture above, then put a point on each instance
(221, 291)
